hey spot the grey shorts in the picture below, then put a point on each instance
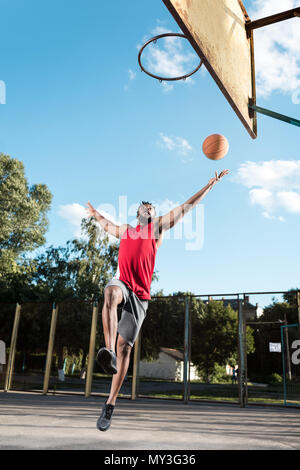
(134, 311)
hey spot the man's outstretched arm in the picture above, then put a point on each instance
(170, 219)
(109, 227)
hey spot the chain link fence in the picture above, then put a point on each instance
(239, 348)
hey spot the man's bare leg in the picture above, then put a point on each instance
(123, 359)
(113, 296)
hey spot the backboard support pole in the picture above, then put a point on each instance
(272, 114)
(260, 23)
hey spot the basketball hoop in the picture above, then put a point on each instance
(157, 77)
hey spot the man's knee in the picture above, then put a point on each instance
(112, 296)
(124, 349)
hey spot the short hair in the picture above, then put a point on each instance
(143, 203)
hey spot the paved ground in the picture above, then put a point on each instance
(34, 421)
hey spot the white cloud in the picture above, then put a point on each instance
(176, 144)
(131, 77)
(263, 198)
(269, 216)
(290, 200)
(167, 87)
(277, 49)
(131, 74)
(74, 213)
(272, 174)
(273, 185)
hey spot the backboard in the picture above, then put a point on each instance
(217, 31)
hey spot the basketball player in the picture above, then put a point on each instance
(130, 290)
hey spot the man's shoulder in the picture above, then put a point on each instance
(123, 228)
(157, 223)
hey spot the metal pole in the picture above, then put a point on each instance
(12, 349)
(136, 352)
(186, 364)
(298, 309)
(288, 358)
(90, 368)
(262, 22)
(242, 376)
(283, 365)
(274, 115)
(50, 348)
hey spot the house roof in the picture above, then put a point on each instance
(234, 304)
(174, 353)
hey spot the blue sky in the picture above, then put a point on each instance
(87, 123)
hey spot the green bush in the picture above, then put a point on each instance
(219, 375)
(275, 379)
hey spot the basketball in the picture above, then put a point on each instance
(215, 146)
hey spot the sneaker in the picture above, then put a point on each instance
(104, 420)
(107, 359)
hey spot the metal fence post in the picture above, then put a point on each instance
(298, 311)
(136, 356)
(186, 364)
(242, 375)
(50, 349)
(283, 363)
(12, 349)
(90, 368)
(288, 358)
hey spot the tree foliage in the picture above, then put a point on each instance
(214, 331)
(262, 362)
(23, 215)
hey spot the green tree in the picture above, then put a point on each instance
(23, 220)
(79, 270)
(164, 325)
(214, 337)
(268, 330)
(214, 331)
(52, 277)
(93, 261)
(73, 276)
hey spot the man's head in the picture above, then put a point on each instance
(145, 213)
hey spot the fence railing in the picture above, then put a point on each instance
(240, 348)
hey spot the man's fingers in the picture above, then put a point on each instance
(223, 173)
(90, 210)
(90, 207)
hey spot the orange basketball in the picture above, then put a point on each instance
(215, 146)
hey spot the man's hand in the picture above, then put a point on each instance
(171, 218)
(91, 211)
(109, 227)
(217, 177)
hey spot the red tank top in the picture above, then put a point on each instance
(136, 259)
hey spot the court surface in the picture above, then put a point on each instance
(68, 422)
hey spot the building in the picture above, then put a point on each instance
(252, 312)
(169, 366)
